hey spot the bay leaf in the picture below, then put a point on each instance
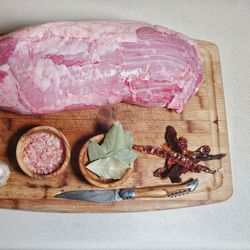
(108, 168)
(95, 151)
(126, 155)
(114, 139)
(128, 140)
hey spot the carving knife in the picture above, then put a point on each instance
(112, 195)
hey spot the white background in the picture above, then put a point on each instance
(218, 226)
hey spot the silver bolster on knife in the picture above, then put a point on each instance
(126, 194)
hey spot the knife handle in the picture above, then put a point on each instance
(126, 194)
(151, 193)
(159, 191)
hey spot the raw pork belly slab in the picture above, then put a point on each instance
(77, 65)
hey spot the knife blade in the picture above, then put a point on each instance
(113, 195)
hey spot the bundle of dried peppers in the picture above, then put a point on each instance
(179, 160)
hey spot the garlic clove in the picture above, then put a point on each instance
(4, 173)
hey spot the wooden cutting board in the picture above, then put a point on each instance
(203, 121)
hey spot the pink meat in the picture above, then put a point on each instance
(72, 65)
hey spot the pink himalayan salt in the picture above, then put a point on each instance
(44, 153)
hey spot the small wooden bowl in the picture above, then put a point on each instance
(23, 142)
(91, 177)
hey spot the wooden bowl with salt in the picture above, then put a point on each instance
(43, 152)
(93, 178)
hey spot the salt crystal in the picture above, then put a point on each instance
(43, 153)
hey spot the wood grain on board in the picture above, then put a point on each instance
(203, 121)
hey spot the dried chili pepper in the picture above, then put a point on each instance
(179, 160)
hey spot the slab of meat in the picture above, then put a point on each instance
(74, 65)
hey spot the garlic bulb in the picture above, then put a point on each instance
(4, 173)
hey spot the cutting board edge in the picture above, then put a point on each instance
(227, 187)
(33, 205)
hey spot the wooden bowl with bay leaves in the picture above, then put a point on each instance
(93, 178)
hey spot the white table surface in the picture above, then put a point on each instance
(219, 226)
